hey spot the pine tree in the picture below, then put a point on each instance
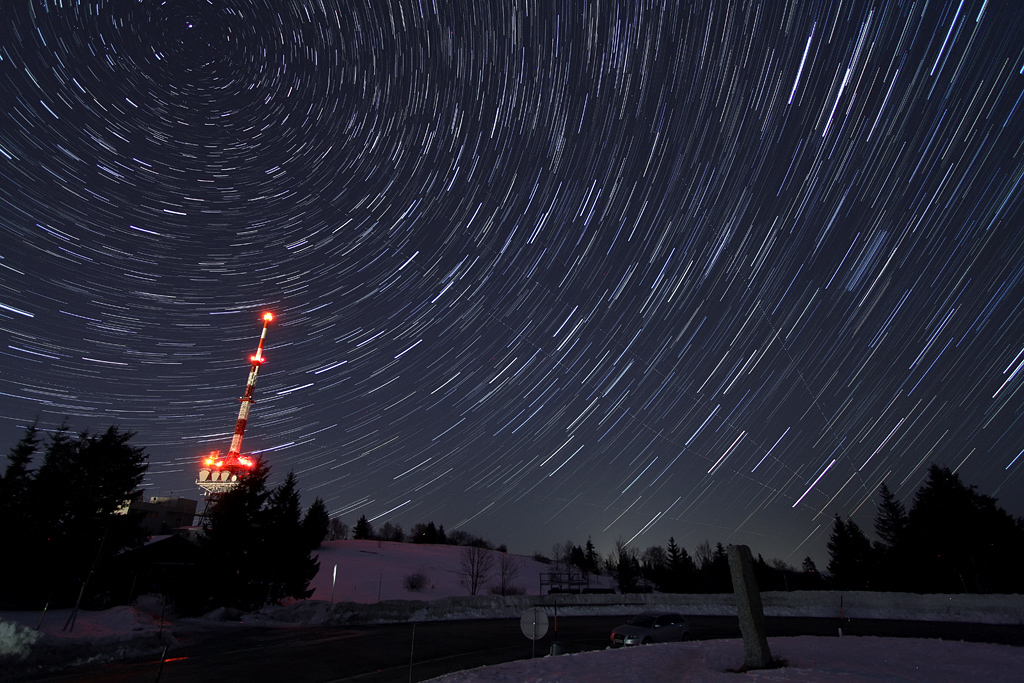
(17, 522)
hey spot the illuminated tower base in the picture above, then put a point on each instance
(217, 474)
(220, 474)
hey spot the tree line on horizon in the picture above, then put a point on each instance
(952, 540)
(72, 539)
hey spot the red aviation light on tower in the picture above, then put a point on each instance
(258, 358)
(220, 473)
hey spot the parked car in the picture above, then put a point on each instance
(652, 627)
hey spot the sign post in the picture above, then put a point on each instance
(534, 625)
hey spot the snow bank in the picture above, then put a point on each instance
(117, 633)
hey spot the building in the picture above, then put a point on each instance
(166, 514)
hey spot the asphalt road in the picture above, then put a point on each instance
(399, 653)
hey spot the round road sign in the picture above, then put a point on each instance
(534, 623)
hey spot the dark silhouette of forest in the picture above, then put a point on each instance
(71, 539)
(952, 540)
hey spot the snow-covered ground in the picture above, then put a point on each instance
(367, 569)
(371, 571)
(809, 659)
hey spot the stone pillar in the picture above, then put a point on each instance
(749, 608)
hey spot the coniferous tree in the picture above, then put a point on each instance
(626, 567)
(257, 549)
(891, 520)
(850, 556)
(960, 540)
(363, 530)
(17, 477)
(655, 568)
(715, 575)
(316, 524)
(69, 517)
(17, 521)
(681, 567)
(423, 533)
(234, 543)
(288, 545)
(15, 485)
(577, 558)
(593, 562)
(890, 549)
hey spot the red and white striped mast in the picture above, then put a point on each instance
(250, 386)
(217, 474)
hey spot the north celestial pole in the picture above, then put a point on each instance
(541, 270)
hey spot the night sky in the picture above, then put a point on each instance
(541, 269)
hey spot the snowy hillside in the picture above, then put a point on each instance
(371, 571)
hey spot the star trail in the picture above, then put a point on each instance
(540, 270)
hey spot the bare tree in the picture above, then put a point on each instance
(338, 530)
(508, 572)
(475, 566)
(703, 555)
(562, 553)
(391, 532)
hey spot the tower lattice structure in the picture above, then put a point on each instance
(217, 473)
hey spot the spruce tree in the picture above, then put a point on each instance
(17, 476)
(69, 515)
(680, 566)
(890, 549)
(316, 524)
(891, 520)
(288, 545)
(849, 556)
(234, 543)
(960, 540)
(363, 530)
(258, 550)
(591, 557)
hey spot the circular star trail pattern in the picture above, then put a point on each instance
(541, 270)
